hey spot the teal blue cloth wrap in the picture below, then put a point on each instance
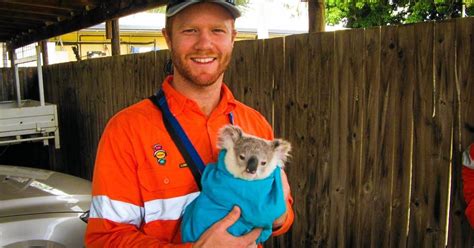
(261, 202)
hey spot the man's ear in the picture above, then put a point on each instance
(234, 35)
(167, 36)
(228, 135)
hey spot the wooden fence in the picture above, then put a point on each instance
(29, 87)
(378, 119)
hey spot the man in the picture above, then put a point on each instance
(141, 183)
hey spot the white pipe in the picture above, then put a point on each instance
(25, 139)
(17, 80)
(40, 75)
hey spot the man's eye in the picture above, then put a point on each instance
(242, 157)
(219, 31)
(189, 31)
(263, 163)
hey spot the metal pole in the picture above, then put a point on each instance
(40, 75)
(17, 77)
(115, 37)
(44, 51)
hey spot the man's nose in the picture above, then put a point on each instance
(204, 41)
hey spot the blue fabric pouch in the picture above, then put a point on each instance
(261, 203)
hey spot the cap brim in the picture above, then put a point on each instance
(234, 11)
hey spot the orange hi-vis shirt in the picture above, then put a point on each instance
(141, 182)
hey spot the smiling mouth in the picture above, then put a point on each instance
(203, 60)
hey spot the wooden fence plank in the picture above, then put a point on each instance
(271, 70)
(6, 84)
(292, 102)
(6, 87)
(251, 81)
(121, 85)
(345, 137)
(95, 111)
(338, 168)
(460, 232)
(444, 59)
(370, 210)
(434, 104)
(388, 135)
(243, 69)
(146, 84)
(423, 108)
(77, 100)
(281, 83)
(68, 115)
(349, 58)
(259, 91)
(160, 60)
(402, 98)
(274, 75)
(321, 75)
(28, 83)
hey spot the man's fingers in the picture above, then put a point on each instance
(252, 236)
(231, 218)
(285, 184)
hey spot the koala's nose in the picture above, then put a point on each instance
(252, 165)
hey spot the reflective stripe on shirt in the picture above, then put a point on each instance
(127, 213)
(117, 211)
(168, 209)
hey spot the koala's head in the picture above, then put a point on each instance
(249, 157)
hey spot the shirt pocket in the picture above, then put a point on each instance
(163, 182)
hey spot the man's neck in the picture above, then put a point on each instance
(206, 97)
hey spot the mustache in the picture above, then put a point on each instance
(203, 55)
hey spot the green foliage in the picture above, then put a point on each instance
(242, 5)
(361, 14)
(470, 10)
(161, 10)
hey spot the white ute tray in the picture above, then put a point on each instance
(29, 122)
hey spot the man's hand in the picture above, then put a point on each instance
(217, 235)
(286, 193)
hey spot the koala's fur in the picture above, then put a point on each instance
(249, 157)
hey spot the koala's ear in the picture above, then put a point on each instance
(228, 135)
(281, 148)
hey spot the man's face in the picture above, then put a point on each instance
(201, 42)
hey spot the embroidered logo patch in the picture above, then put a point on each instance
(160, 154)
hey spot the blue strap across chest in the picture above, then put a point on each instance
(179, 132)
(181, 140)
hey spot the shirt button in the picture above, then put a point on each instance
(166, 181)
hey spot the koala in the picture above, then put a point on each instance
(249, 157)
(247, 175)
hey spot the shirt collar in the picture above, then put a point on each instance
(227, 102)
(177, 101)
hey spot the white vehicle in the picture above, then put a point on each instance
(41, 208)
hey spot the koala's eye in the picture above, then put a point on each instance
(263, 163)
(242, 157)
